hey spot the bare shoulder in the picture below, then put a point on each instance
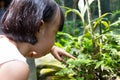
(14, 70)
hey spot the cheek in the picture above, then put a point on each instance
(46, 42)
(48, 45)
(44, 48)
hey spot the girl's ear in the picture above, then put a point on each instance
(42, 23)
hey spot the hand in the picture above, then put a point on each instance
(59, 53)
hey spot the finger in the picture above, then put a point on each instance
(69, 55)
(60, 58)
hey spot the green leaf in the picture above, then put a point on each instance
(78, 62)
(65, 71)
(65, 34)
(99, 20)
(105, 24)
(58, 44)
(98, 64)
(80, 78)
(116, 23)
(68, 10)
(102, 67)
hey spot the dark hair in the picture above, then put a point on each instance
(21, 21)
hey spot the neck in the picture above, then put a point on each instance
(24, 48)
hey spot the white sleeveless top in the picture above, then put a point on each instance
(9, 52)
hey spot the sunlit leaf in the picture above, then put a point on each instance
(97, 22)
(105, 24)
(102, 66)
(82, 7)
(98, 64)
(68, 10)
(58, 44)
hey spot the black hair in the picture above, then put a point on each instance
(21, 20)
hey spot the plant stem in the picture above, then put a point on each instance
(74, 15)
(91, 26)
(99, 11)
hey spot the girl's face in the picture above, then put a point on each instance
(46, 36)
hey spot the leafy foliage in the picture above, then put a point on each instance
(88, 65)
(91, 63)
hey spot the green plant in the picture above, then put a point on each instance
(91, 66)
(97, 51)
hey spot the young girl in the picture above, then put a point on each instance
(29, 28)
